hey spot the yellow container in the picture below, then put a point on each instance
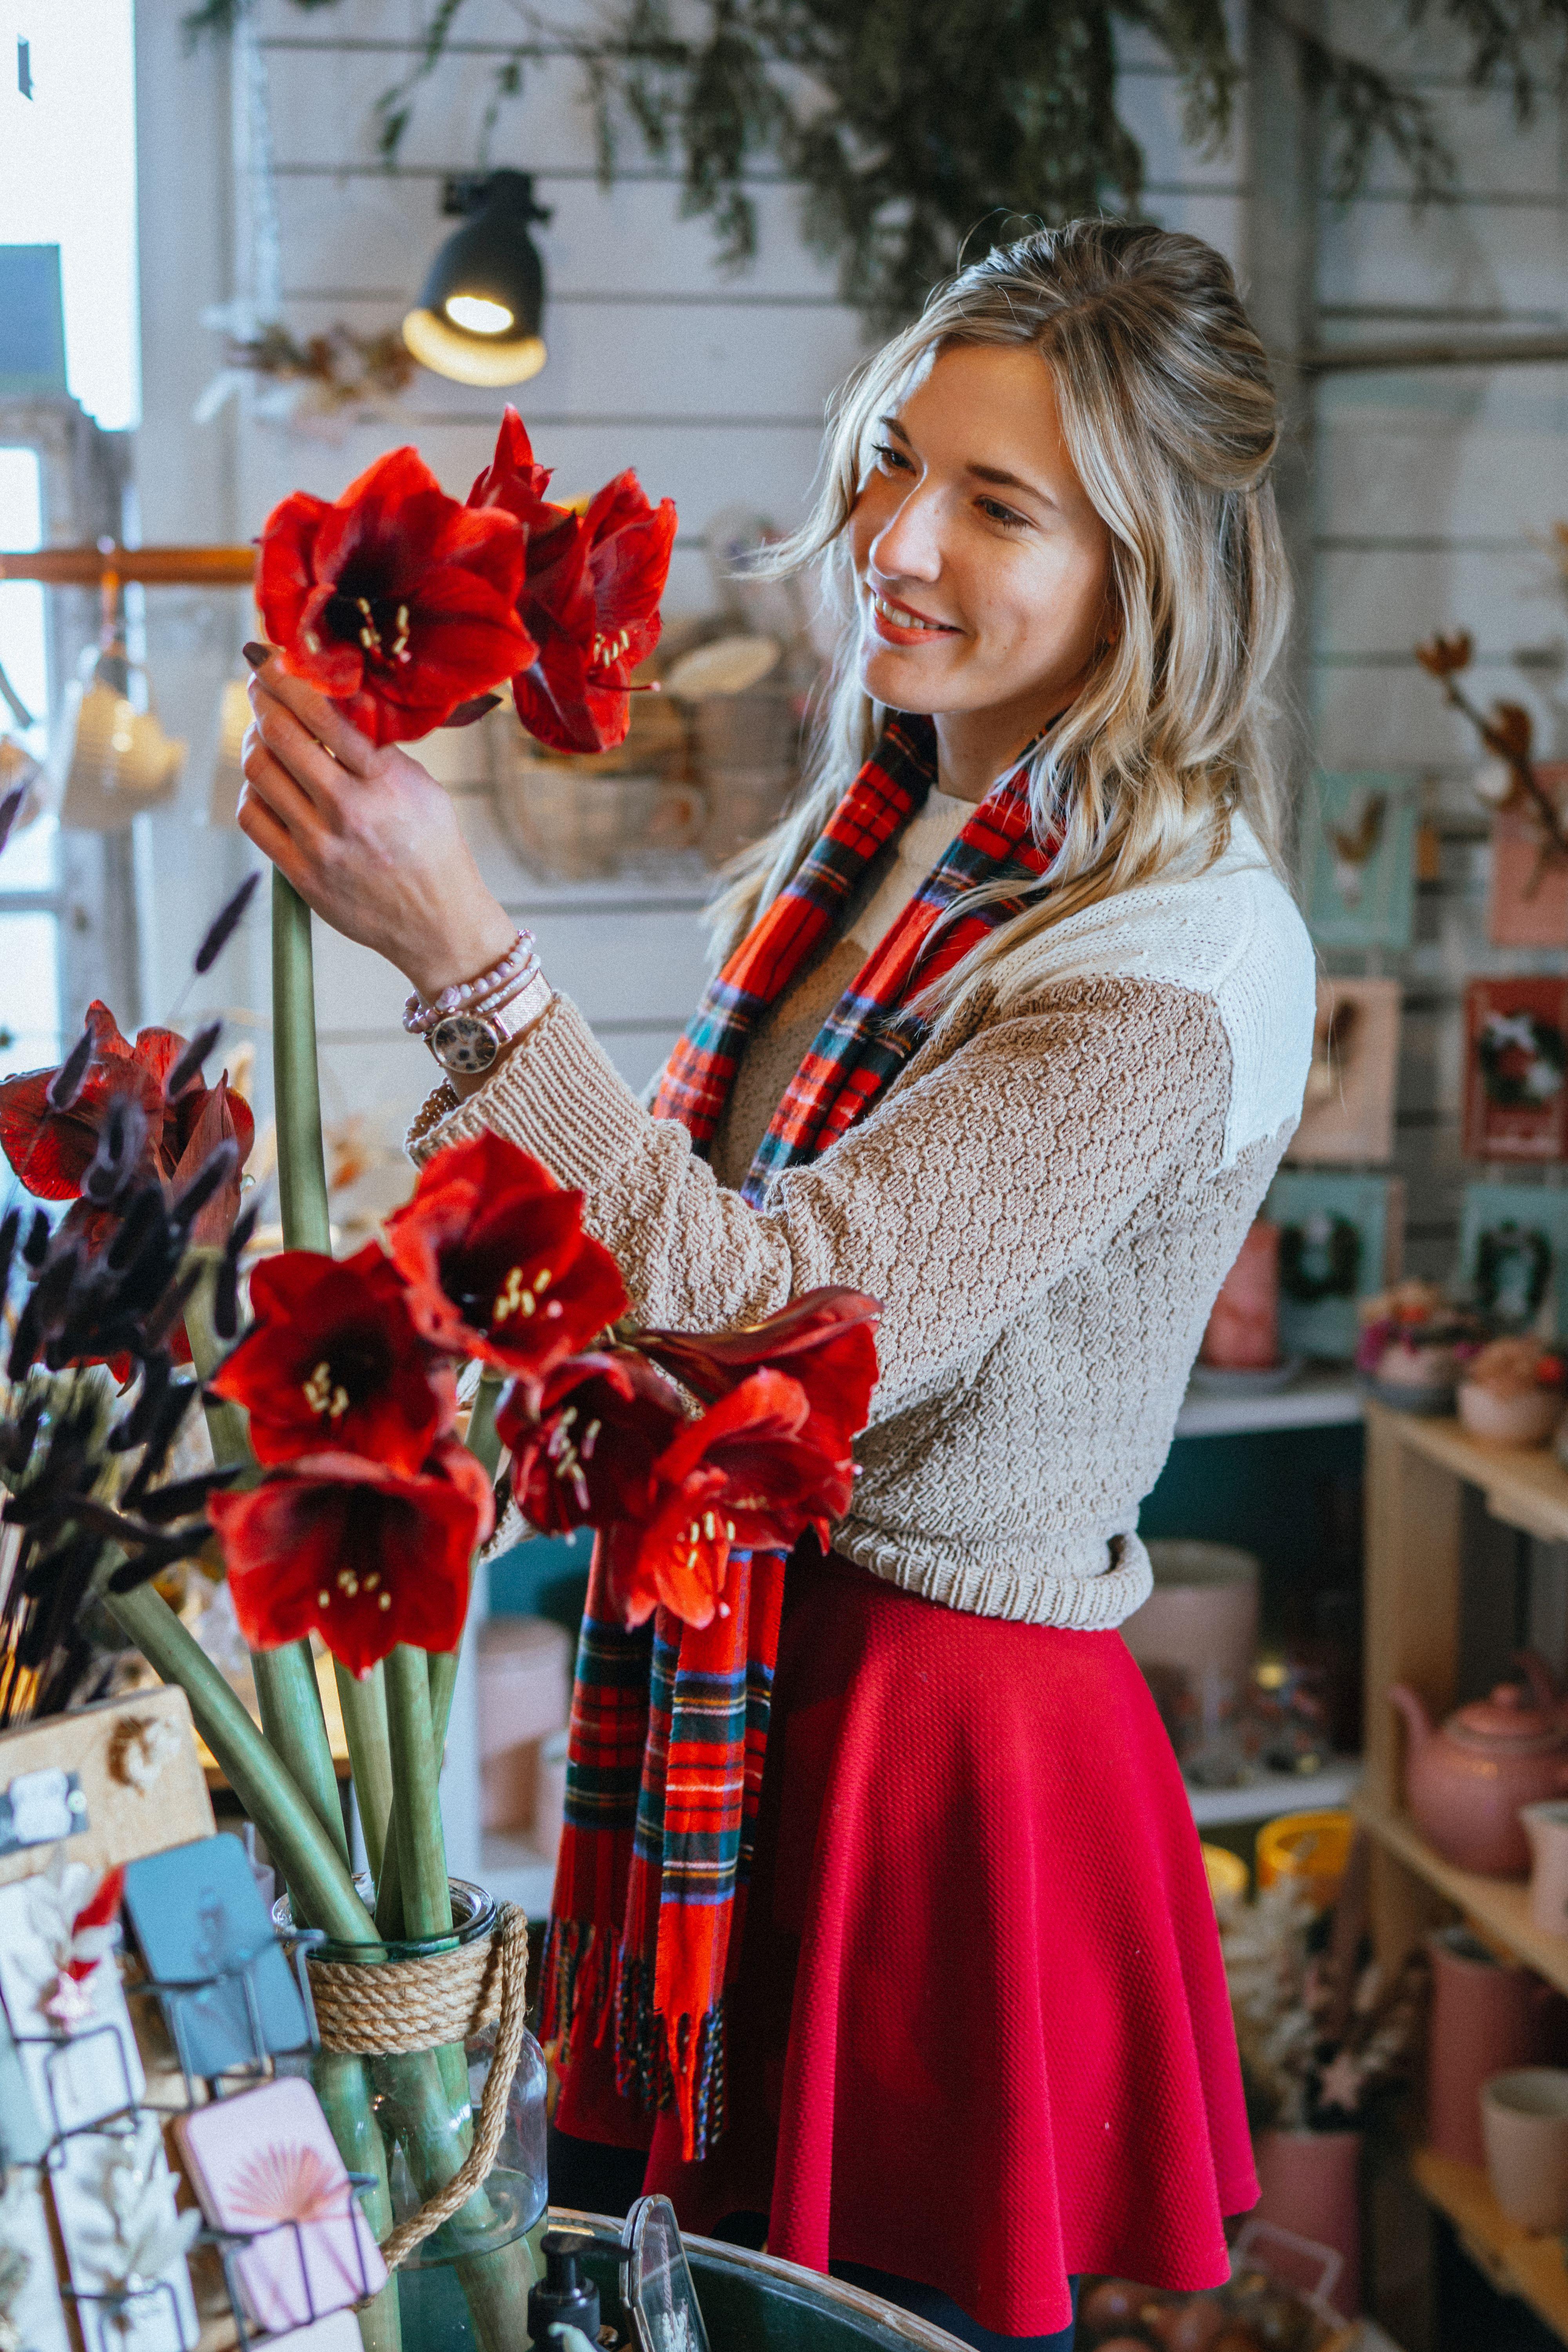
(1310, 1848)
(1228, 1873)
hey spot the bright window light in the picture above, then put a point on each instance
(22, 601)
(67, 177)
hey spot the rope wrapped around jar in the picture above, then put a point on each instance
(391, 2008)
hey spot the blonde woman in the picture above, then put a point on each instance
(1012, 1027)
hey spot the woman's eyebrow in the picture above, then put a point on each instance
(1006, 481)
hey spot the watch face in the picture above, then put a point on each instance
(465, 1041)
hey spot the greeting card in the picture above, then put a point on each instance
(1513, 1256)
(1527, 906)
(62, 1995)
(1347, 1114)
(125, 2242)
(110, 1781)
(265, 2162)
(1362, 861)
(31, 2316)
(1516, 1069)
(195, 1911)
(1340, 1241)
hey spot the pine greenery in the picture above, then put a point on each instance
(924, 130)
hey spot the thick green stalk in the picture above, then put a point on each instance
(484, 1444)
(296, 1089)
(307, 1856)
(370, 1757)
(416, 1805)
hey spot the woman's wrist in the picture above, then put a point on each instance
(463, 951)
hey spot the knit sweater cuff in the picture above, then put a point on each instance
(556, 1094)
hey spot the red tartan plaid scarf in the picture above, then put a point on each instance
(669, 1723)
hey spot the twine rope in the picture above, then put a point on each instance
(398, 2008)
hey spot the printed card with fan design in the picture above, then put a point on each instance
(266, 2163)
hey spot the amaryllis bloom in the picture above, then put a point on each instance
(586, 1457)
(826, 1340)
(332, 1361)
(392, 599)
(497, 1264)
(671, 1496)
(349, 1548)
(591, 597)
(52, 1150)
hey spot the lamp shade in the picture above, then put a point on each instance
(479, 316)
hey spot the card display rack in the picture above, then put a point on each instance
(120, 2305)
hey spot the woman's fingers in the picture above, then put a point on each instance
(273, 838)
(276, 785)
(321, 719)
(322, 778)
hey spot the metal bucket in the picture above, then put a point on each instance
(750, 2303)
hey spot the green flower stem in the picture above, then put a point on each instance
(426, 1896)
(343, 2086)
(308, 1858)
(297, 1099)
(370, 1757)
(227, 1424)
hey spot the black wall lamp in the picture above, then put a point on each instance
(479, 317)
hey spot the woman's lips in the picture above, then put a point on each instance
(917, 629)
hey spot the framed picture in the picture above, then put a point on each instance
(1516, 1070)
(1349, 1110)
(1527, 906)
(1340, 1240)
(1513, 1256)
(1361, 861)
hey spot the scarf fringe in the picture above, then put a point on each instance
(657, 2065)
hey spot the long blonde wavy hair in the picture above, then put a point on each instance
(1169, 417)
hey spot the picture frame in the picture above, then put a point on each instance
(1347, 1115)
(1340, 1240)
(1360, 866)
(1513, 1256)
(1516, 1070)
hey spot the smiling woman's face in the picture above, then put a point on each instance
(982, 570)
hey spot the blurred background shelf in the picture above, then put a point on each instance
(1324, 1398)
(1277, 1793)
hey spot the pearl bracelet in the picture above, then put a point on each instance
(470, 995)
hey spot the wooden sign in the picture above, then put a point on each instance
(1516, 1070)
(109, 1782)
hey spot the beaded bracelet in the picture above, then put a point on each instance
(464, 996)
(429, 1017)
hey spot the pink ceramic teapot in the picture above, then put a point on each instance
(1465, 1784)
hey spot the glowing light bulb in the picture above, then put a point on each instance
(475, 315)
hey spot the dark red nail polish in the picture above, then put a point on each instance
(256, 655)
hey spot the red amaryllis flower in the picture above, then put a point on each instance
(586, 1457)
(394, 600)
(51, 1150)
(332, 1360)
(591, 598)
(497, 1261)
(826, 1340)
(348, 1549)
(610, 1449)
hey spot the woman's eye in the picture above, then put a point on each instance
(888, 457)
(994, 511)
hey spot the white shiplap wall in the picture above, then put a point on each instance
(711, 384)
(1430, 487)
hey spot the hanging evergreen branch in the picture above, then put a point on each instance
(924, 130)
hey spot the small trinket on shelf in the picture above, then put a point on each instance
(1512, 1394)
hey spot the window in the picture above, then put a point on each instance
(29, 896)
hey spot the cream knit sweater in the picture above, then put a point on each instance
(1046, 1204)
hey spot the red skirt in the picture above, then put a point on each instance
(981, 2036)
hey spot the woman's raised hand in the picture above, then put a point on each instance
(367, 838)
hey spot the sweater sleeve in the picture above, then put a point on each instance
(969, 1191)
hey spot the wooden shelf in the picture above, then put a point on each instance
(1323, 1398)
(1525, 1486)
(1280, 1792)
(1516, 2261)
(1499, 1908)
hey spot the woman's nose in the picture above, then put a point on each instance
(909, 545)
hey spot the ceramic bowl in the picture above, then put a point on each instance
(1528, 1419)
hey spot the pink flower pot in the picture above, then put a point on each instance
(1310, 2183)
(1488, 2017)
